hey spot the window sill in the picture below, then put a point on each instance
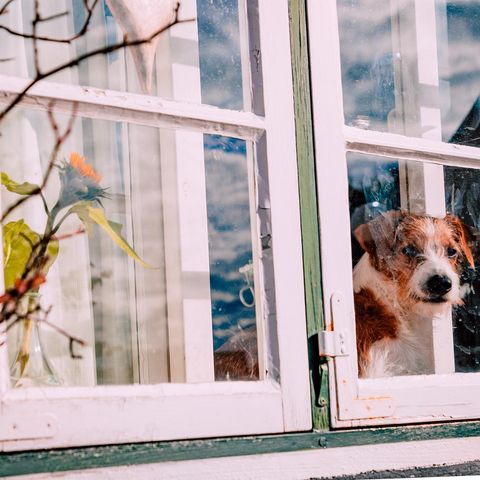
(62, 460)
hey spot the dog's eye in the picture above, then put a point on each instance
(410, 251)
(451, 252)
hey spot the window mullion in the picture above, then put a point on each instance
(134, 108)
(409, 148)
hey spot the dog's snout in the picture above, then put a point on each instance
(439, 285)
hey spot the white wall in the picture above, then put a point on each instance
(294, 465)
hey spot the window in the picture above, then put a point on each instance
(395, 88)
(196, 149)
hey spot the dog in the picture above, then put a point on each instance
(410, 272)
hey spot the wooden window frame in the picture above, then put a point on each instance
(362, 402)
(62, 416)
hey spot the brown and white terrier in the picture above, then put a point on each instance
(409, 273)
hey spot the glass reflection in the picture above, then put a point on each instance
(183, 201)
(206, 42)
(232, 275)
(378, 187)
(462, 187)
(231, 259)
(411, 67)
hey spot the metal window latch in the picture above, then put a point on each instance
(332, 344)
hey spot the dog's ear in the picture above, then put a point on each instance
(377, 237)
(463, 235)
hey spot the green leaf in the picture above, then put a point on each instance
(81, 209)
(18, 239)
(16, 251)
(53, 248)
(24, 188)
(88, 214)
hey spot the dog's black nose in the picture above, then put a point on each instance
(439, 285)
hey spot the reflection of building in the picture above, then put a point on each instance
(468, 133)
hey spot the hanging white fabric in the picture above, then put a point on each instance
(140, 19)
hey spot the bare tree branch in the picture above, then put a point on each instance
(71, 338)
(80, 231)
(55, 16)
(33, 36)
(36, 19)
(12, 302)
(38, 309)
(4, 10)
(60, 138)
(76, 61)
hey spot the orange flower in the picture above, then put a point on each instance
(86, 170)
(79, 182)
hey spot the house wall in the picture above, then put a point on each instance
(294, 465)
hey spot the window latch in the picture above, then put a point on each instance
(332, 343)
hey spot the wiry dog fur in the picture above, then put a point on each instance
(410, 272)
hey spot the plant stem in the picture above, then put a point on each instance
(45, 205)
(24, 353)
(27, 327)
(59, 224)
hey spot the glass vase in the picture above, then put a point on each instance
(31, 366)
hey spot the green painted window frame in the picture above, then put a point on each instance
(23, 463)
(308, 211)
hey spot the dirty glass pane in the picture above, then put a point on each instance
(181, 305)
(415, 248)
(231, 269)
(208, 41)
(462, 188)
(232, 275)
(412, 67)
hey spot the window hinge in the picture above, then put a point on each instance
(332, 343)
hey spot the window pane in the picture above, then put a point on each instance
(411, 67)
(415, 230)
(197, 60)
(185, 203)
(462, 193)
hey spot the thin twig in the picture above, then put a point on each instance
(86, 23)
(16, 204)
(36, 19)
(59, 140)
(69, 235)
(63, 332)
(55, 16)
(4, 10)
(76, 61)
(12, 310)
(38, 255)
(38, 309)
(44, 201)
(34, 36)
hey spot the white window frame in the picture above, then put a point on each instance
(71, 416)
(354, 401)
